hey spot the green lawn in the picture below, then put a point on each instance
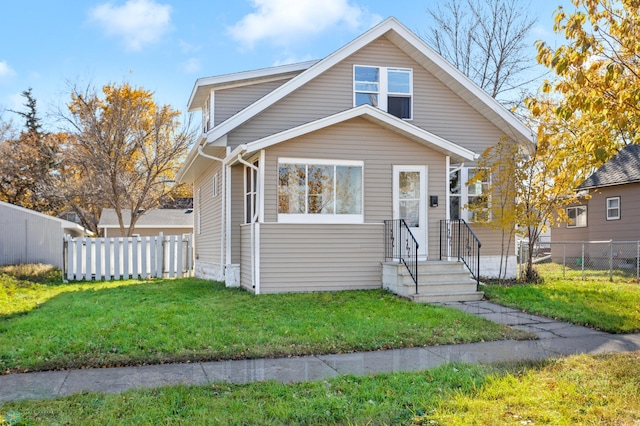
(576, 390)
(137, 322)
(609, 306)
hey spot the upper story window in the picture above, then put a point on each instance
(206, 115)
(613, 208)
(577, 217)
(319, 191)
(390, 89)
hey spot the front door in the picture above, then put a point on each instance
(410, 202)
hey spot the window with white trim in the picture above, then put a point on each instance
(320, 191)
(215, 183)
(613, 208)
(390, 89)
(577, 217)
(251, 192)
(461, 195)
(206, 115)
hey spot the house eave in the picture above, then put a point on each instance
(372, 114)
(239, 79)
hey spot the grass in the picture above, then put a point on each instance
(576, 390)
(609, 306)
(137, 322)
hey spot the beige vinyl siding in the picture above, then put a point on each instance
(380, 149)
(207, 243)
(237, 210)
(435, 107)
(297, 257)
(228, 102)
(598, 227)
(245, 255)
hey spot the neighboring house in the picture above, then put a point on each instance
(27, 236)
(150, 223)
(612, 210)
(298, 166)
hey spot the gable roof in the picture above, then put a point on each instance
(416, 48)
(157, 218)
(204, 85)
(623, 168)
(369, 113)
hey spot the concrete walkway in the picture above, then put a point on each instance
(556, 339)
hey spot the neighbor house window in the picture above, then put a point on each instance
(577, 217)
(251, 193)
(320, 191)
(462, 195)
(390, 89)
(613, 208)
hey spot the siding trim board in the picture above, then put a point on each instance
(369, 113)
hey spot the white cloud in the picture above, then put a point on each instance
(289, 58)
(284, 22)
(5, 70)
(137, 23)
(540, 31)
(192, 66)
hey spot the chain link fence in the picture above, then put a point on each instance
(582, 260)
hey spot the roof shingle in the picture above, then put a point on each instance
(623, 168)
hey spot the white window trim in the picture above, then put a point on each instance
(465, 213)
(323, 218)
(215, 182)
(614, 208)
(576, 225)
(383, 87)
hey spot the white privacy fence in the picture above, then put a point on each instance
(168, 256)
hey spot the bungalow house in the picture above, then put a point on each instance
(150, 223)
(299, 166)
(612, 209)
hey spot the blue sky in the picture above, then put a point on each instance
(165, 45)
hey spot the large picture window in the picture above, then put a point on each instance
(577, 217)
(389, 89)
(319, 191)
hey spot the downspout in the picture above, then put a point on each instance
(222, 208)
(254, 218)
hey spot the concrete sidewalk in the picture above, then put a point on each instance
(556, 339)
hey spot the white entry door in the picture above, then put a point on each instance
(410, 202)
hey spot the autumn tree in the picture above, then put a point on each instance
(592, 106)
(122, 152)
(486, 40)
(29, 162)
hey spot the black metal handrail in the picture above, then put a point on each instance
(401, 245)
(457, 240)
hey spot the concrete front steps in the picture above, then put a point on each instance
(438, 281)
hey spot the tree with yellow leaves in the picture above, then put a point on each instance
(122, 152)
(592, 107)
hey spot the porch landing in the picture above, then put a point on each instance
(438, 281)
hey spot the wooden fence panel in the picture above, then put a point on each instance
(124, 258)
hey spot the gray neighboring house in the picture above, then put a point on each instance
(612, 212)
(298, 166)
(27, 236)
(151, 223)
